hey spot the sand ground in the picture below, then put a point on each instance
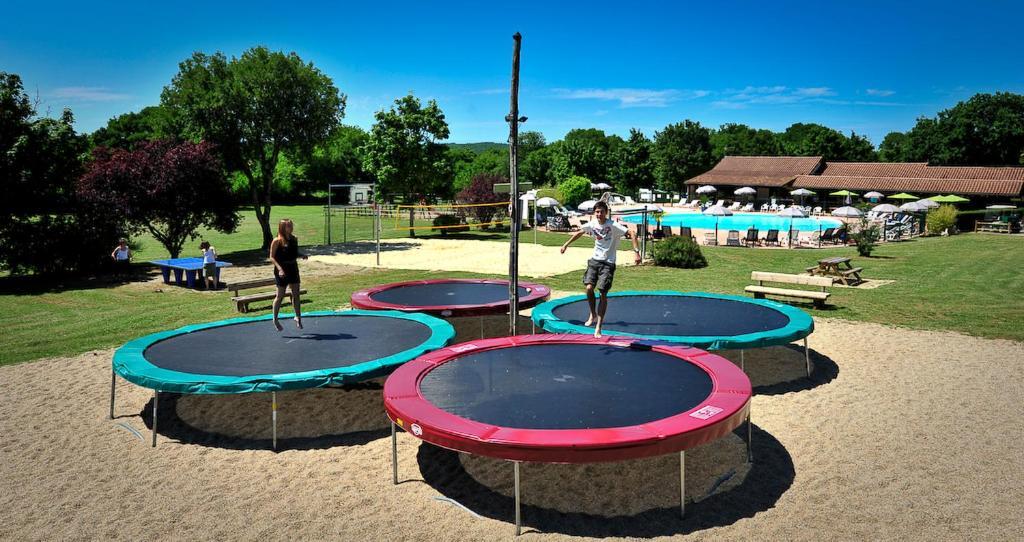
(899, 434)
(461, 255)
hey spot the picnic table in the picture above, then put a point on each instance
(838, 267)
(190, 267)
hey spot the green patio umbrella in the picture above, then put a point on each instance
(903, 196)
(952, 198)
(843, 193)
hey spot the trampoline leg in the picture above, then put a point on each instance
(682, 483)
(273, 419)
(394, 454)
(113, 382)
(481, 327)
(156, 397)
(743, 362)
(750, 434)
(515, 465)
(807, 357)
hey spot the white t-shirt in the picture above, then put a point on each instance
(606, 238)
(209, 255)
(121, 254)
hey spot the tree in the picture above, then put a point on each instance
(44, 228)
(530, 142)
(338, 160)
(811, 139)
(894, 147)
(986, 130)
(254, 108)
(586, 152)
(481, 190)
(124, 131)
(681, 151)
(404, 154)
(574, 191)
(488, 162)
(537, 167)
(742, 140)
(168, 189)
(634, 167)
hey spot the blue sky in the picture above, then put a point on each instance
(870, 67)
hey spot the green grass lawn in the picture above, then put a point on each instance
(968, 283)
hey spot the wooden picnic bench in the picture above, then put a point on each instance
(818, 297)
(997, 226)
(834, 267)
(242, 301)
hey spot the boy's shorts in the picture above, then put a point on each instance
(599, 273)
(210, 269)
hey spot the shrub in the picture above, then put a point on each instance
(941, 219)
(449, 223)
(574, 191)
(481, 190)
(679, 251)
(865, 236)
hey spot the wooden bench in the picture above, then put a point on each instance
(242, 301)
(760, 290)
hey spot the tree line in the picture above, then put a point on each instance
(266, 127)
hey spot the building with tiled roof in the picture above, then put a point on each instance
(775, 176)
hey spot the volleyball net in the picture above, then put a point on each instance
(450, 217)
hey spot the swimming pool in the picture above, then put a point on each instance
(739, 221)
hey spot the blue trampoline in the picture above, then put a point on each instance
(699, 319)
(246, 355)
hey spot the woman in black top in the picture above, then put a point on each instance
(284, 254)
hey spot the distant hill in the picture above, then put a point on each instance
(477, 147)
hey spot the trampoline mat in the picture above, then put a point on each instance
(566, 386)
(677, 315)
(255, 348)
(446, 294)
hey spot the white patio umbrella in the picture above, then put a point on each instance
(717, 211)
(885, 208)
(913, 207)
(928, 203)
(998, 207)
(603, 186)
(745, 191)
(847, 212)
(874, 195)
(802, 193)
(587, 206)
(707, 189)
(793, 212)
(547, 202)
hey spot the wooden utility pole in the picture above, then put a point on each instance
(513, 144)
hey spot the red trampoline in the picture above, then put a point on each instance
(567, 399)
(448, 297)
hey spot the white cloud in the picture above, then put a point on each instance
(631, 97)
(488, 91)
(814, 92)
(879, 92)
(89, 94)
(772, 95)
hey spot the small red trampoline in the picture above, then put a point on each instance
(567, 399)
(448, 297)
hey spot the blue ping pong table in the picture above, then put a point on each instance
(190, 267)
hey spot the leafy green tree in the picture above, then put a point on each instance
(811, 139)
(255, 108)
(924, 141)
(574, 191)
(529, 142)
(586, 152)
(44, 227)
(893, 147)
(488, 162)
(742, 140)
(681, 151)
(338, 160)
(404, 152)
(986, 130)
(634, 166)
(537, 166)
(858, 148)
(124, 131)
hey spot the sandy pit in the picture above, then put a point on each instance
(899, 434)
(461, 255)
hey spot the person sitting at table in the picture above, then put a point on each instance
(122, 256)
(209, 266)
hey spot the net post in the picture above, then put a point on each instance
(515, 219)
(376, 228)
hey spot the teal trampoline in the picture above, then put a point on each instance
(247, 355)
(699, 319)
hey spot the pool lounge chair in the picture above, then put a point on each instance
(710, 239)
(764, 207)
(827, 236)
(816, 211)
(747, 208)
(684, 231)
(752, 238)
(772, 237)
(735, 206)
(733, 240)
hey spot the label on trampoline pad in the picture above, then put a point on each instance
(706, 412)
(463, 348)
(416, 429)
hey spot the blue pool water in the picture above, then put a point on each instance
(740, 221)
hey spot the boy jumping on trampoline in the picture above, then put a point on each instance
(601, 266)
